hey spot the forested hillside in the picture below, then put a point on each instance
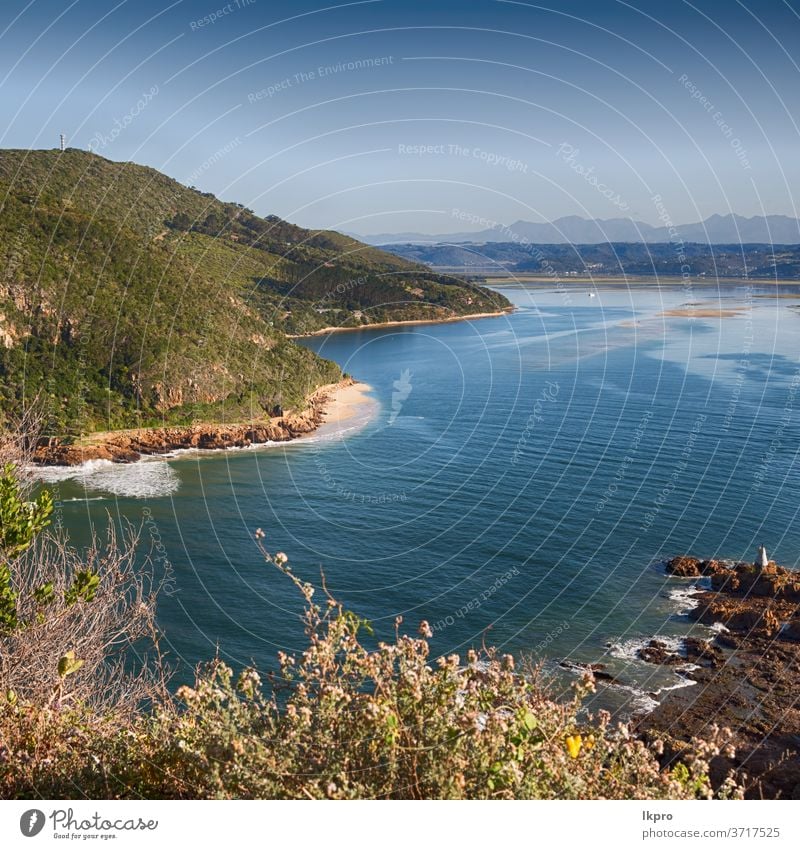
(129, 299)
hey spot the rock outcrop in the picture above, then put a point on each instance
(127, 446)
(748, 676)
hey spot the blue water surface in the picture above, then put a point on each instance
(519, 483)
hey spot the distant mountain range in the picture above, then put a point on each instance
(608, 259)
(572, 229)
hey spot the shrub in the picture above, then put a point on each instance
(345, 721)
(349, 718)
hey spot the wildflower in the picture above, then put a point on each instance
(280, 558)
(249, 682)
(425, 629)
(260, 534)
(185, 693)
(574, 743)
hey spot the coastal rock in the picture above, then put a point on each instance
(726, 580)
(703, 653)
(658, 652)
(130, 445)
(771, 581)
(791, 630)
(754, 691)
(691, 650)
(684, 566)
(739, 614)
(598, 670)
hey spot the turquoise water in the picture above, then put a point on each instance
(522, 474)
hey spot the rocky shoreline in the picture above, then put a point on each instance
(128, 446)
(747, 676)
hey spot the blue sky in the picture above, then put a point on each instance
(388, 116)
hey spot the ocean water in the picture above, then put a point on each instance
(518, 480)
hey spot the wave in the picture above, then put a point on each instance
(684, 599)
(147, 478)
(180, 453)
(672, 677)
(629, 649)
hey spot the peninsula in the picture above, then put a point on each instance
(138, 315)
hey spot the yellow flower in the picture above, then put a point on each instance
(574, 743)
(589, 742)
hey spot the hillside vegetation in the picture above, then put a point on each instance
(129, 299)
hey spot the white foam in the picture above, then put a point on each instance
(54, 474)
(679, 685)
(684, 598)
(629, 649)
(150, 478)
(179, 453)
(642, 702)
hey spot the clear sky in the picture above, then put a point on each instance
(387, 115)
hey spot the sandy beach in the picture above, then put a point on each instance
(701, 312)
(346, 402)
(324, 330)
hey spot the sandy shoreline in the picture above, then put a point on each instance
(345, 402)
(378, 325)
(329, 406)
(701, 312)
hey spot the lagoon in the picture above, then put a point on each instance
(516, 480)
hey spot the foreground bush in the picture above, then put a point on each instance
(341, 721)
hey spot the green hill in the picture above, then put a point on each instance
(130, 299)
